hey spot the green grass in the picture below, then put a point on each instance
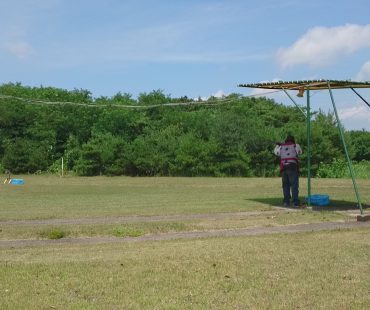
(91, 230)
(45, 197)
(317, 270)
(48, 197)
(127, 232)
(323, 270)
(52, 233)
(36, 231)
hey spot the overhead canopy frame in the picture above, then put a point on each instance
(309, 84)
(305, 86)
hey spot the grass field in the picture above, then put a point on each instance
(53, 197)
(315, 270)
(47, 197)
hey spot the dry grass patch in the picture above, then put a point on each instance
(134, 229)
(323, 270)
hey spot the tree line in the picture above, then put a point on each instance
(234, 136)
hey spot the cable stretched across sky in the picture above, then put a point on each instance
(213, 102)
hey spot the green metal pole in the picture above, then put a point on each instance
(345, 150)
(308, 148)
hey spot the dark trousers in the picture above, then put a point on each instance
(290, 185)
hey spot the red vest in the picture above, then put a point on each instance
(288, 155)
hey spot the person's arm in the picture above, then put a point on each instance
(298, 149)
(277, 150)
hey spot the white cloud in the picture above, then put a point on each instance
(200, 98)
(358, 112)
(364, 74)
(356, 117)
(322, 46)
(21, 49)
(219, 94)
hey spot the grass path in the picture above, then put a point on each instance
(130, 219)
(294, 228)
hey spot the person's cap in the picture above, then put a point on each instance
(290, 138)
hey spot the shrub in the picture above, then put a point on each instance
(54, 233)
(127, 232)
(338, 168)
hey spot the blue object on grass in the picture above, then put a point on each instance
(318, 200)
(16, 181)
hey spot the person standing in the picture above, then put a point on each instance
(289, 168)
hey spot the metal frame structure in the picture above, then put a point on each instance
(307, 86)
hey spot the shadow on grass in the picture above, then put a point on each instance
(334, 205)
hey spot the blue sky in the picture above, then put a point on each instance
(193, 48)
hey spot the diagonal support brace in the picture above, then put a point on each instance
(360, 96)
(345, 150)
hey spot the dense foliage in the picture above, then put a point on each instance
(339, 169)
(230, 137)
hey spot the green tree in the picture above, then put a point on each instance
(194, 156)
(25, 156)
(155, 97)
(153, 152)
(102, 154)
(360, 140)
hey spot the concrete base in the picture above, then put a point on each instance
(363, 218)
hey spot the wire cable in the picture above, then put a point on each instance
(215, 102)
